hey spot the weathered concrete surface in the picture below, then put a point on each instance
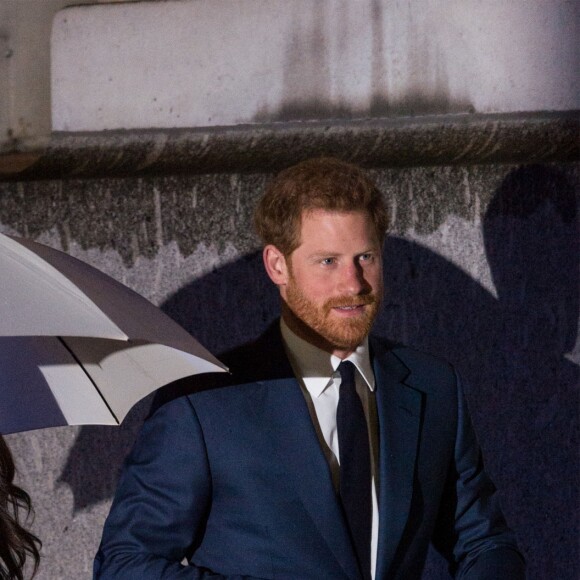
(25, 28)
(482, 268)
(451, 139)
(216, 62)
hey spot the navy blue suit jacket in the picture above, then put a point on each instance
(232, 477)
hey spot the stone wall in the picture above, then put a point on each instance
(481, 267)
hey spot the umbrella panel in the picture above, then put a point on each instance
(54, 381)
(36, 299)
(41, 385)
(58, 362)
(125, 372)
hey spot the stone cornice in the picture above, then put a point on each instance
(401, 142)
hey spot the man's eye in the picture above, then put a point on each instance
(328, 261)
(366, 257)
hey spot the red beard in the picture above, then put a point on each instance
(324, 328)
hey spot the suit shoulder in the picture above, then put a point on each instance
(259, 360)
(419, 359)
(422, 367)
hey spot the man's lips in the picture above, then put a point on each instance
(350, 310)
(349, 306)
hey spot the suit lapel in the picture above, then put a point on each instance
(298, 449)
(399, 413)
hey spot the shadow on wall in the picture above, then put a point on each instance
(522, 388)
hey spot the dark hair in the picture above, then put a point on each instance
(319, 183)
(16, 543)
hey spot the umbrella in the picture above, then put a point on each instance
(76, 346)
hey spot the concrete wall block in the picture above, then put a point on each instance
(194, 63)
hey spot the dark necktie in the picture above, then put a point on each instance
(355, 466)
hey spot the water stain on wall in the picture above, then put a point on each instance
(315, 83)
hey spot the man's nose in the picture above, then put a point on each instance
(353, 280)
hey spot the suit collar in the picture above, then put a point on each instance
(399, 407)
(316, 367)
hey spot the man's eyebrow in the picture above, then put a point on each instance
(321, 255)
(324, 252)
(370, 250)
(333, 254)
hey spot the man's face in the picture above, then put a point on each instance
(334, 280)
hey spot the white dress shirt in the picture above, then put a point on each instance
(317, 374)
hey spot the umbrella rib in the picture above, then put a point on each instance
(89, 377)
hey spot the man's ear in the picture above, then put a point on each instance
(275, 264)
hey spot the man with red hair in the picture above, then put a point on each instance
(327, 453)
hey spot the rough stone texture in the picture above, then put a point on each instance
(481, 267)
(436, 140)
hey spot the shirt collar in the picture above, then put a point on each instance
(316, 367)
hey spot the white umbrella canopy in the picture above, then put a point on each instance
(37, 299)
(76, 346)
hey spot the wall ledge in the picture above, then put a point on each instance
(402, 142)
